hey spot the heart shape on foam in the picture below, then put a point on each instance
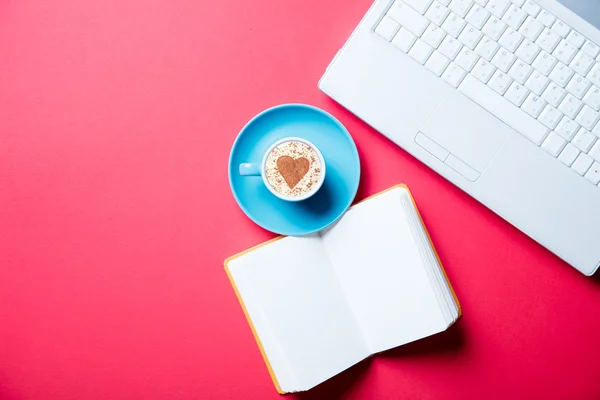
(292, 169)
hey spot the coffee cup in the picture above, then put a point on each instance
(293, 169)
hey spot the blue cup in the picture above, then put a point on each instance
(254, 169)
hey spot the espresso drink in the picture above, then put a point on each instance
(293, 168)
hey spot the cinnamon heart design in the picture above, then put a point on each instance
(292, 170)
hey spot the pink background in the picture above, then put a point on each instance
(116, 120)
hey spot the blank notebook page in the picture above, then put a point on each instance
(380, 270)
(299, 311)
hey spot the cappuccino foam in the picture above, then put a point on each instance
(293, 168)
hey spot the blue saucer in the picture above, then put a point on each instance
(341, 179)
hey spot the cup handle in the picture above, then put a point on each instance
(249, 169)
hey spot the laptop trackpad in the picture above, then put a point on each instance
(466, 131)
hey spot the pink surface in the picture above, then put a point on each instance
(116, 120)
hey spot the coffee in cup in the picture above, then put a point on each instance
(293, 169)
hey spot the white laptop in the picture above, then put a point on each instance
(501, 97)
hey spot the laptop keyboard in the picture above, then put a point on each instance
(516, 60)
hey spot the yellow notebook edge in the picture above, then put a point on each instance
(239, 297)
(252, 328)
(437, 256)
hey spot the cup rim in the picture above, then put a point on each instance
(282, 196)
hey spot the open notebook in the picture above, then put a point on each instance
(319, 304)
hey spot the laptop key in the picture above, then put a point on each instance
(568, 155)
(578, 86)
(409, 18)
(584, 140)
(494, 28)
(404, 39)
(591, 49)
(595, 151)
(500, 82)
(387, 28)
(554, 94)
(483, 70)
(514, 17)
(520, 71)
(544, 62)
(478, 16)
(546, 18)
(503, 59)
(592, 98)
(450, 47)
(593, 174)
(537, 83)
(454, 75)
(533, 105)
(582, 63)
(561, 74)
(548, 40)
(565, 52)
(498, 7)
(419, 5)
(553, 144)
(487, 48)
(582, 164)
(453, 25)
(531, 8)
(461, 7)
(531, 29)
(470, 36)
(437, 63)
(511, 39)
(594, 74)
(550, 117)
(466, 59)
(516, 94)
(561, 28)
(576, 38)
(433, 36)
(587, 118)
(567, 128)
(420, 51)
(527, 51)
(570, 106)
(437, 13)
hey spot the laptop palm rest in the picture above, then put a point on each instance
(466, 131)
